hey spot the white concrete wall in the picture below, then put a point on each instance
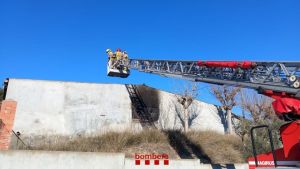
(68, 108)
(88, 160)
(183, 164)
(173, 164)
(60, 160)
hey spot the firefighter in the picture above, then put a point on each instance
(119, 54)
(109, 53)
(111, 57)
(125, 60)
(125, 55)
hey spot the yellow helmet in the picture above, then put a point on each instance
(108, 50)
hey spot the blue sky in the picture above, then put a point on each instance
(66, 40)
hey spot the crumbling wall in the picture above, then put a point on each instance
(151, 98)
(70, 108)
(7, 116)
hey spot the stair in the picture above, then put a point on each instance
(140, 107)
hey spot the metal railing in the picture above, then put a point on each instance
(271, 143)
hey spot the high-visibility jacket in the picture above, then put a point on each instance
(111, 56)
(119, 55)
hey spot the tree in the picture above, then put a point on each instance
(259, 107)
(259, 111)
(185, 98)
(226, 96)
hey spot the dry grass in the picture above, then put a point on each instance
(219, 148)
(152, 141)
(216, 147)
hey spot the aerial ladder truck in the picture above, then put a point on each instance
(278, 80)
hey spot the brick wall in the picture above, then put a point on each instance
(7, 116)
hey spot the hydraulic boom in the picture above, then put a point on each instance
(275, 76)
(279, 80)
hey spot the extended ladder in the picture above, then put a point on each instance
(140, 107)
(275, 76)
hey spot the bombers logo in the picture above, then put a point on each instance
(154, 159)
